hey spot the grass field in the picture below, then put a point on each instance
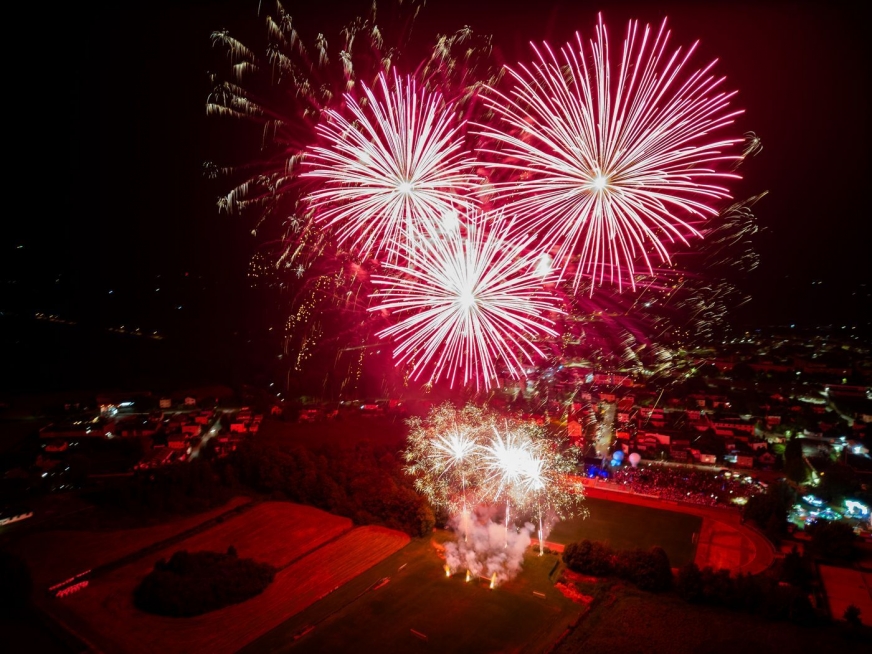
(320, 551)
(272, 532)
(453, 615)
(627, 526)
(630, 621)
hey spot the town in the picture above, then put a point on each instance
(751, 410)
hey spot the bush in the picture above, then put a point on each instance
(589, 557)
(689, 584)
(833, 540)
(755, 594)
(653, 572)
(192, 583)
(852, 615)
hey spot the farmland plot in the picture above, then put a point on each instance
(84, 550)
(278, 533)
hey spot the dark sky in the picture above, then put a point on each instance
(126, 134)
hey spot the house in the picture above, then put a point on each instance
(744, 461)
(192, 429)
(82, 428)
(573, 429)
(176, 441)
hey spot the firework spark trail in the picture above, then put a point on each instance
(504, 462)
(604, 169)
(466, 302)
(397, 161)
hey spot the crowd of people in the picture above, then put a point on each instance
(686, 484)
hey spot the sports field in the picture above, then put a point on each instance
(627, 526)
(420, 609)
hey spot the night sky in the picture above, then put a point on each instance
(122, 136)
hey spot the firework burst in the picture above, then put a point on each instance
(468, 300)
(397, 161)
(608, 166)
(442, 454)
(473, 457)
(605, 167)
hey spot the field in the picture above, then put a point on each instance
(317, 551)
(84, 550)
(419, 609)
(459, 617)
(627, 526)
(448, 613)
(630, 621)
(277, 533)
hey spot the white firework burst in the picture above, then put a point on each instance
(466, 300)
(610, 164)
(398, 161)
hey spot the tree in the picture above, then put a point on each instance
(589, 557)
(838, 481)
(795, 466)
(769, 511)
(743, 372)
(852, 615)
(835, 540)
(654, 572)
(793, 449)
(192, 583)
(796, 470)
(16, 584)
(795, 569)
